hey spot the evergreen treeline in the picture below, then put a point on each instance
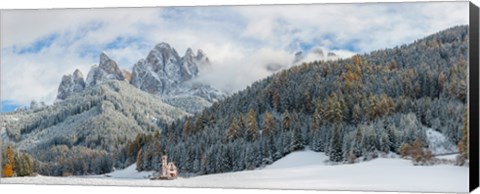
(353, 108)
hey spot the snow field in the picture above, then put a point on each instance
(299, 170)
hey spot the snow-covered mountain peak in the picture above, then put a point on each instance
(189, 53)
(71, 84)
(200, 54)
(165, 73)
(106, 70)
(110, 66)
(77, 74)
(162, 54)
(104, 57)
(162, 45)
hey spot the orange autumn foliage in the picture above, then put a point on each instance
(7, 171)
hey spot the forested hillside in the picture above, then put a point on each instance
(82, 134)
(350, 108)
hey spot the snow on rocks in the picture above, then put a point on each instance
(71, 84)
(165, 73)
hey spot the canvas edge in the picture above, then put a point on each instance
(473, 96)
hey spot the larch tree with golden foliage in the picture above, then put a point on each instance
(268, 125)
(252, 125)
(233, 130)
(8, 169)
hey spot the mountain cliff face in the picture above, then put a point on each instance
(163, 72)
(71, 84)
(105, 71)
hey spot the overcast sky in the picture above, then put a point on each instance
(38, 47)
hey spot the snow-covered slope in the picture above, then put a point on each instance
(188, 103)
(130, 173)
(300, 159)
(112, 111)
(302, 170)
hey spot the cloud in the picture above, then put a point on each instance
(239, 69)
(39, 46)
(374, 26)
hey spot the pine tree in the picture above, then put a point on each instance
(316, 140)
(187, 127)
(199, 123)
(268, 125)
(356, 114)
(358, 143)
(252, 125)
(383, 107)
(157, 156)
(147, 159)
(336, 152)
(24, 165)
(373, 106)
(393, 139)
(307, 103)
(298, 141)
(453, 89)
(317, 118)
(286, 121)
(10, 157)
(212, 120)
(241, 123)
(385, 143)
(8, 170)
(370, 142)
(276, 97)
(334, 111)
(227, 159)
(233, 130)
(139, 161)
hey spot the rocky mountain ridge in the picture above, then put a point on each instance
(163, 72)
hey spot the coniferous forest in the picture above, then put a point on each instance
(353, 109)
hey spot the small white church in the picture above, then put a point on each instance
(169, 171)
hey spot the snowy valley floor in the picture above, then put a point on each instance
(299, 170)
